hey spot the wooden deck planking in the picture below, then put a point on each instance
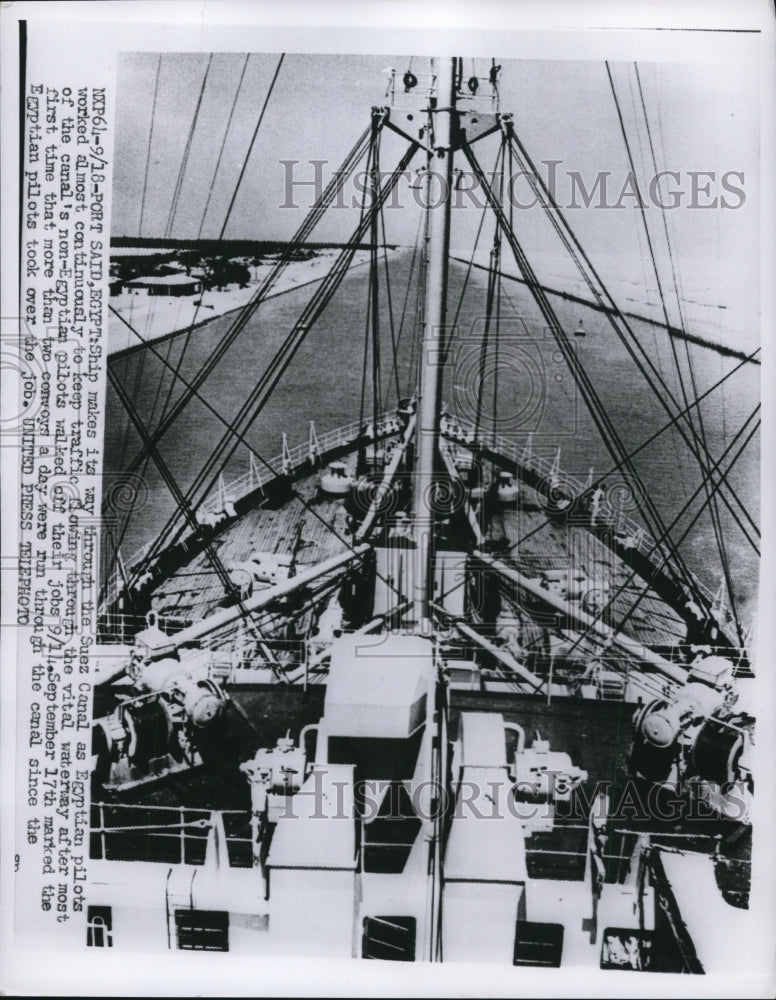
(538, 545)
(195, 590)
(316, 527)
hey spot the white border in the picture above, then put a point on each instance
(544, 30)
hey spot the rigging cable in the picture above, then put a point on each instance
(150, 141)
(713, 507)
(420, 308)
(220, 238)
(698, 434)
(226, 219)
(407, 290)
(613, 314)
(223, 146)
(150, 315)
(208, 475)
(680, 465)
(310, 507)
(191, 326)
(602, 478)
(374, 271)
(603, 422)
(310, 314)
(368, 314)
(722, 350)
(251, 145)
(469, 269)
(702, 454)
(138, 376)
(675, 521)
(186, 151)
(169, 480)
(499, 284)
(389, 301)
(330, 193)
(461, 298)
(489, 297)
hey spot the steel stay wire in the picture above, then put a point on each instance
(702, 454)
(309, 507)
(612, 311)
(191, 326)
(602, 478)
(330, 193)
(282, 357)
(598, 413)
(675, 522)
(208, 476)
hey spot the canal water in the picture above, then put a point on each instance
(529, 389)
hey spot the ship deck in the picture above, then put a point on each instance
(538, 544)
(312, 527)
(129, 823)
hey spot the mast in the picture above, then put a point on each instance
(429, 394)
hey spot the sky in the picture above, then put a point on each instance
(702, 117)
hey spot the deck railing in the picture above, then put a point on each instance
(525, 457)
(454, 429)
(129, 832)
(290, 461)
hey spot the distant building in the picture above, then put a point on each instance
(167, 284)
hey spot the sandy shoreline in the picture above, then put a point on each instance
(156, 317)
